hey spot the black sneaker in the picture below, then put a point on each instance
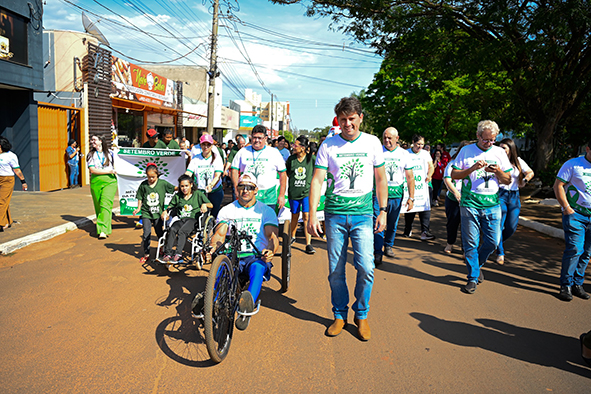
(246, 304)
(578, 291)
(470, 288)
(565, 293)
(426, 236)
(481, 277)
(310, 249)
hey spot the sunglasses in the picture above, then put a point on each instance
(248, 188)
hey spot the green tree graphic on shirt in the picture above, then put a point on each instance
(391, 168)
(352, 170)
(256, 169)
(487, 177)
(250, 228)
(588, 186)
(206, 175)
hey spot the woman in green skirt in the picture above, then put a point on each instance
(103, 183)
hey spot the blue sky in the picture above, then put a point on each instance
(299, 59)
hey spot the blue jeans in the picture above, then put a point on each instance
(577, 237)
(510, 209)
(393, 214)
(474, 221)
(339, 228)
(73, 174)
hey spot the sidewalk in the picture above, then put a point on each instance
(44, 215)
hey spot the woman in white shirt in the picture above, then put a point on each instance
(8, 167)
(509, 195)
(103, 183)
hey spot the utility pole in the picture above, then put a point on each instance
(213, 68)
(271, 114)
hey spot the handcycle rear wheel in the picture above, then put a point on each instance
(219, 310)
(285, 256)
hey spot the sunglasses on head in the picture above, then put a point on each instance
(248, 188)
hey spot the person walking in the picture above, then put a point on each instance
(573, 192)
(353, 161)
(423, 171)
(437, 180)
(398, 165)
(73, 152)
(521, 174)
(452, 202)
(300, 168)
(8, 168)
(482, 166)
(103, 183)
(267, 166)
(207, 168)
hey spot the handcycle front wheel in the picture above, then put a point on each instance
(219, 310)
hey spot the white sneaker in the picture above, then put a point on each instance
(102, 236)
(448, 248)
(500, 260)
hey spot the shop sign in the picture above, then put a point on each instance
(131, 82)
(249, 121)
(13, 37)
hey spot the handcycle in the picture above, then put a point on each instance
(225, 283)
(199, 237)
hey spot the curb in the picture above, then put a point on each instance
(542, 228)
(11, 246)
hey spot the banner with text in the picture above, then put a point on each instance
(131, 164)
(422, 198)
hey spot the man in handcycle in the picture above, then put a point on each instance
(260, 221)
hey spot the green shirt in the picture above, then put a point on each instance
(232, 153)
(152, 198)
(190, 208)
(171, 145)
(159, 145)
(300, 176)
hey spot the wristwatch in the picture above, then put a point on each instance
(383, 209)
(412, 199)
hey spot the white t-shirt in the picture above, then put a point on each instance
(420, 163)
(396, 161)
(350, 172)
(576, 173)
(265, 165)
(203, 170)
(253, 220)
(480, 189)
(98, 160)
(8, 161)
(514, 185)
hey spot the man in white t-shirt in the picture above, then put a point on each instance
(260, 222)
(266, 165)
(573, 192)
(481, 166)
(351, 160)
(398, 165)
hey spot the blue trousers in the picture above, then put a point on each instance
(577, 237)
(510, 209)
(393, 214)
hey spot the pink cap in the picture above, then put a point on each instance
(206, 138)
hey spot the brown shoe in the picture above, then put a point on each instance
(336, 327)
(363, 329)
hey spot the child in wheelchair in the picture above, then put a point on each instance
(185, 207)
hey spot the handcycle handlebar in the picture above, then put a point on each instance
(235, 241)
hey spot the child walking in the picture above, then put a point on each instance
(150, 199)
(188, 203)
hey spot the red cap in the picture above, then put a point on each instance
(152, 133)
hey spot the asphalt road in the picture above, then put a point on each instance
(82, 315)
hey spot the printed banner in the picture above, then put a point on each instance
(134, 83)
(422, 199)
(130, 166)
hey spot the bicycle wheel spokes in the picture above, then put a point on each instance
(219, 309)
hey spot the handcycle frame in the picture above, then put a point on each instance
(224, 285)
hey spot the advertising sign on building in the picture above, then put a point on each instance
(248, 122)
(131, 82)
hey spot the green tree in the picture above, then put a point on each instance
(542, 46)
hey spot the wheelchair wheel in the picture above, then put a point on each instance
(219, 310)
(208, 230)
(285, 256)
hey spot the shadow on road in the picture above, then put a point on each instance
(520, 343)
(280, 302)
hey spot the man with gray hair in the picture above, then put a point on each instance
(398, 164)
(481, 166)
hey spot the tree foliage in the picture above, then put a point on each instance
(542, 47)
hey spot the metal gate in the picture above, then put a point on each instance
(57, 124)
